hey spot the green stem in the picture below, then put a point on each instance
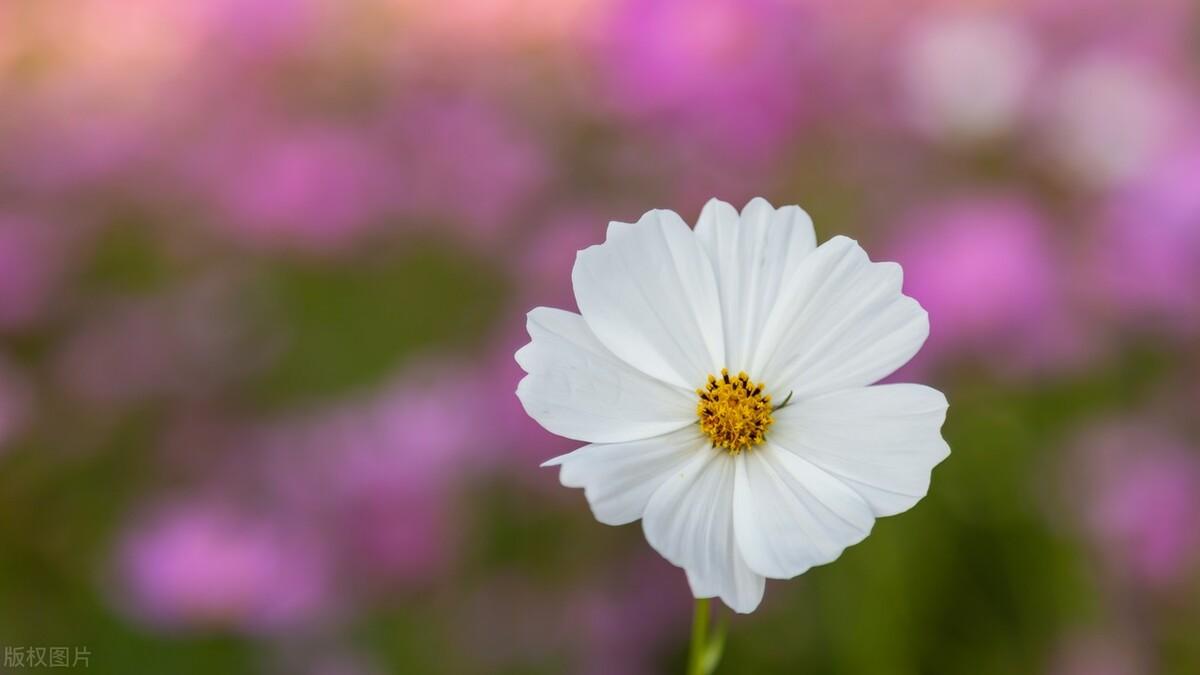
(705, 651)
(699, 637)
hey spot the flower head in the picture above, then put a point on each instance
(967, 75)
(1141, 499)
(722, 379)
(1143, 259)
(734, 411)
(204, 563)
(987, 267)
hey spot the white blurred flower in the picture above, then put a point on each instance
(722, 378)
(967, 76)
(1109, 119)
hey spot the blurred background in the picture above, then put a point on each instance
(264, 264)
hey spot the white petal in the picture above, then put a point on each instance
(790, 515)
(839, 322)
(650, 295)
(689, 521)
(752, 255)
(618, 478)
(578, 389)
(882, 441)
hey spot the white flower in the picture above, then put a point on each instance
(722, 378)
(968, 75)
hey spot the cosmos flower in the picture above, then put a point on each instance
(966, 76)
(722, 380)
(203, 563)
(987, 266)
(1140, 498)
(1110, 118)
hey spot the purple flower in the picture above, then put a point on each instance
(378, 474)
(1143, 500)
(312, 187)
(206, 564)
(462, 162)
(512, 439)
(456, 27)
(543, 263)
(986, 271)
(1144, 257)
(1159, 27)
(258, 29)
(393, 524)
(736, 76)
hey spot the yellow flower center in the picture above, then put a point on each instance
(734, 412)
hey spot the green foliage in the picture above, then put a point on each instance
(347, 327)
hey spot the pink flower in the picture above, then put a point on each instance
(986, 271)
(204, 564)
(1158, 27)
(462, 163)
(311, 187)
(490, 26)
(738, 79)
(1143, 260)
(378, 474)
(510, 438)
(543, 268)
(257, 29)
(1143, 501)
(393, 523)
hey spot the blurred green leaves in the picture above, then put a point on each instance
(349, 326)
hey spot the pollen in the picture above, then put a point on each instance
(734, 412)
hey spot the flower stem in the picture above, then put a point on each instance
(705, 651)
(699, 636)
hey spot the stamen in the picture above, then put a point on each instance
(734, 412)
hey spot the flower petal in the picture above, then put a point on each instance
(650, 295)
(841, 322)
(752, 254)
(689, 521)
(790, 515)
(578, 389)
(619, 478)
(882, 441)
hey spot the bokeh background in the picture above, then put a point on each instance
(264, 263)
